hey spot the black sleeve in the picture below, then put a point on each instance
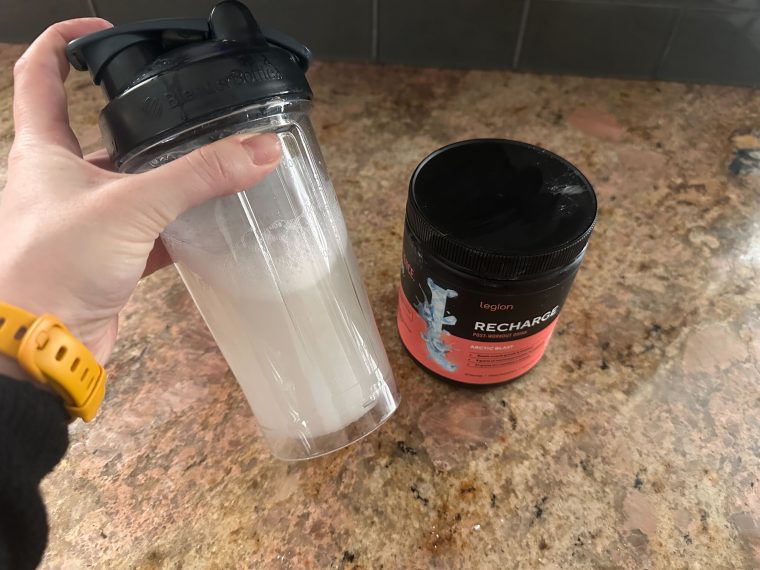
(33, 439)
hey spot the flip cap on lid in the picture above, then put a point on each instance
(160, 75)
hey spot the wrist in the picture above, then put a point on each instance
(88, 330)
(10, 368)
(53, 359)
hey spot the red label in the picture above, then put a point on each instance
(466, 360)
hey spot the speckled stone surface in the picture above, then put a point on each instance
(634, 444)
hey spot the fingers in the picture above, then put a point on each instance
(224, 167)
(39, 103)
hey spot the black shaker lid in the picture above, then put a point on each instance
(501, 209)
(162, 74)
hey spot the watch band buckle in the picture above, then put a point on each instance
(52, 355)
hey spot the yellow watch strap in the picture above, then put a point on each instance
(50, 354)
(14, 323)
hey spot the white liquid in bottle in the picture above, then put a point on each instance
(273, 275)
(299, 338)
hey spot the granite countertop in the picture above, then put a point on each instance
(634, 444)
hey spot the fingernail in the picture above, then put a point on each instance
(265, 148)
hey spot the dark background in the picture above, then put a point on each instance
(702, 41)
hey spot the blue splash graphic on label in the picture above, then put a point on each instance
(433, 313)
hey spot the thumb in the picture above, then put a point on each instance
(214, 170)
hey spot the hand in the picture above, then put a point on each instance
(77, 237)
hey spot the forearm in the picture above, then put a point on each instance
(33, 439)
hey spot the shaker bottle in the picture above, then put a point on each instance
(270, 268)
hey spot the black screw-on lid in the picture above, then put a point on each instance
(500, 209)
(159, 75)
